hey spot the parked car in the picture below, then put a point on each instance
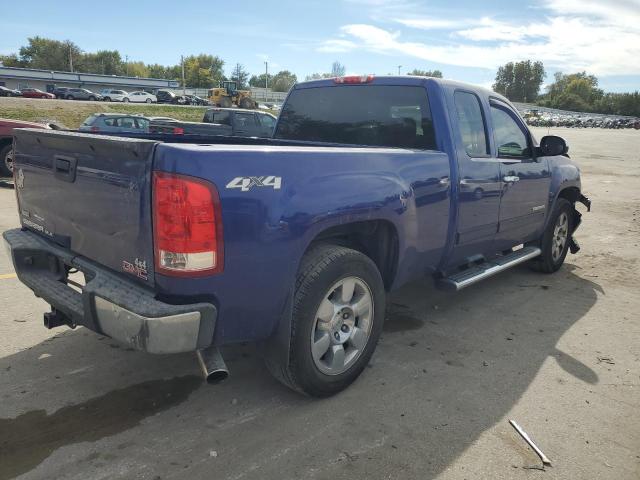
(35, 93)
(166, 96)
(291, 241)
(109, 95)
(176, 127)
(115, 122)
(82, 94)
(142, 97)
(244, 123)
(61, 92)
(6, 138)
(8, 92)
(196, 100)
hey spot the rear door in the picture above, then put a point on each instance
(525, 180)
(90, 194)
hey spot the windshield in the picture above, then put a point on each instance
(372, 115)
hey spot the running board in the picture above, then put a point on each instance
(463, 279)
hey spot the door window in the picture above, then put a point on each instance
(245, 120)
(471, 124)
(511, 141)
(267, 121)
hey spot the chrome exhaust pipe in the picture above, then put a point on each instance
(212, 365)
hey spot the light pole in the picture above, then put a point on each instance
(126, 62)
(399, 67)
(266, 80)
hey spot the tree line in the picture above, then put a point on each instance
(200, 71)
(521, 82)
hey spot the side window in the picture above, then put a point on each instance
(267, 121)
(142, 123)
(222, 118)
(471, 124)
(510, 140)
(110, 122)
(244, 120)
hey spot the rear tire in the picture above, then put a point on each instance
(555, 240)
(247, 103)
(225, 102)
(92, 99)
(6, 161)
(126, 100)
(337, 317)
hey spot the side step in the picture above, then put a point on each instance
(463, 279)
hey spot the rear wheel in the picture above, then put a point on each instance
(6, 157)
(107, 99)
(247, 103)
(225, 102)
(92, 99)
(555, 240)
(338, 311)
(126, 100)
(70, 97)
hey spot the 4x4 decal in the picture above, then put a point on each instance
(247, 183)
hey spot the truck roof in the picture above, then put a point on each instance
(408, 80)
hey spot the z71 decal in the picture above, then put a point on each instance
(247, 183)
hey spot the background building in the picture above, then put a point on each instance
(47, 80)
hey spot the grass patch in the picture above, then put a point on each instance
(71, 114)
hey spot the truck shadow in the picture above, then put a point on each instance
(448, 367)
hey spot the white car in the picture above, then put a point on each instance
(114, 95)
(142, 97)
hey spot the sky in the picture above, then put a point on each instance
(467, 40)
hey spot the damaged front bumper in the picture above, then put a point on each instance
(107, 304)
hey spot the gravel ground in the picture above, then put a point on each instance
(558, 353)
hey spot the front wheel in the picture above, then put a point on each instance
(555, 240)
(338, 312)
(125, 100)
(148, 100)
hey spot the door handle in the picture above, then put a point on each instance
(510, 178)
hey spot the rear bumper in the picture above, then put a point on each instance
(108, 304)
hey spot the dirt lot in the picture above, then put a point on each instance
(560, 354)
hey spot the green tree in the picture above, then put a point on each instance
(200, 71)
(240, 76)
(50, 54)
(283, 81)
(318, 76)
(337, 69)
(575, 91)
(426, 73)
(259, 80)
(11, 60)
(520, 81)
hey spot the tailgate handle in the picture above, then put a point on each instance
(65, 168)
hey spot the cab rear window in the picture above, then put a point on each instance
(371, 115)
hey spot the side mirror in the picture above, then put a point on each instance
(552, 145)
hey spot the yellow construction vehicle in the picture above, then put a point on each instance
(227, 94)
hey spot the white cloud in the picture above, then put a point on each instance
(427, 23)
(600, 37)
(336, 45)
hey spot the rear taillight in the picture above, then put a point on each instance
(95, 129)
(178, 131)
(187, 226)
(354, 79)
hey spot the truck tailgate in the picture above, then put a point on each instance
(90, 194)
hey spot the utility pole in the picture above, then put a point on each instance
(399, 67)
(183, 85)
(126, 62)
(70, 59)
(266, 80)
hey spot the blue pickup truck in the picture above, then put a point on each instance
(175, 244)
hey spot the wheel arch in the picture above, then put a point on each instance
(377, 239)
